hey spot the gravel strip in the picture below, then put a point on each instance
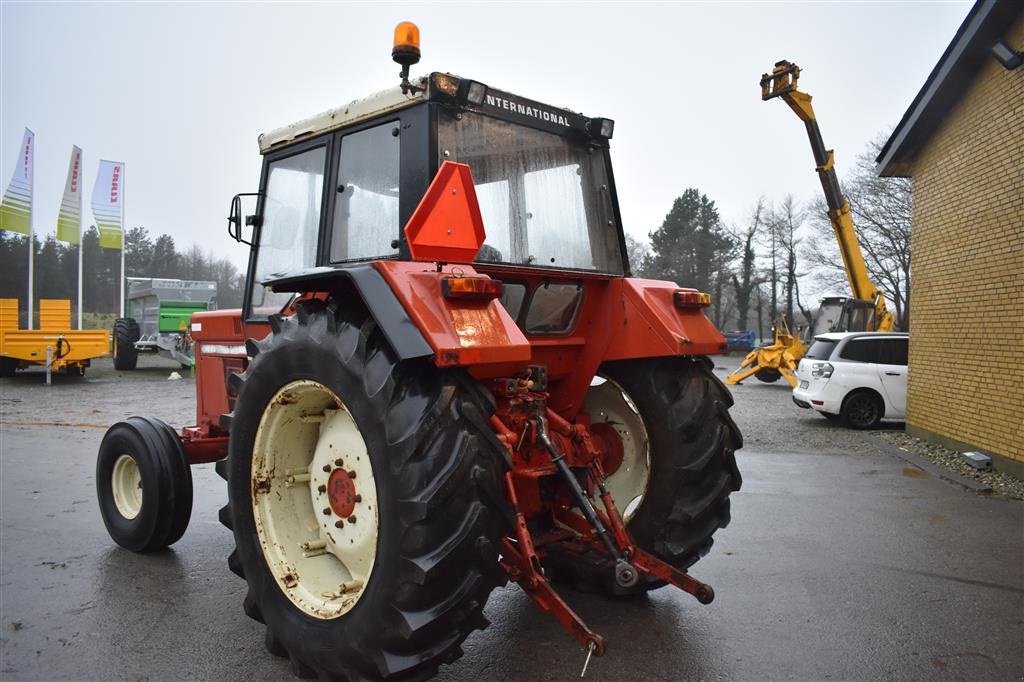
(1001, 483)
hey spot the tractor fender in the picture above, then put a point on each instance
(389, 313)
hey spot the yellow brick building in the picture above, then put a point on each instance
(962, 142)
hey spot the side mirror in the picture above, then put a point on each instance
(235, 219)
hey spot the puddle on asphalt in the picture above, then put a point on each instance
(911, 472)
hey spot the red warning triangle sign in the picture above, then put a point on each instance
(447, 227)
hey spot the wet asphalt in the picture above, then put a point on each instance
(841, 562)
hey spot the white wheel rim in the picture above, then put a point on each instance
(607, 403)
(126, 484)
(306, 450)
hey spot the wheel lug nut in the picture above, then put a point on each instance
(339, 524)
(327, 467)
(352, 474)
(327, 511)
(338, 462)
(322, 488)
(352, 519)
(358, 498)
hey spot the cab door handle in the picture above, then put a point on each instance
(892, 374)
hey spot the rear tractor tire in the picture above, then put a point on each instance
(366, 499)
(126, 333)
(678, 466)
(144, 484)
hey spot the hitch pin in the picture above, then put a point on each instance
(590, 652)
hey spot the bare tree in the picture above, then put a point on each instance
(786, 221)
(746, 280)
(637, 251)
(881, 210)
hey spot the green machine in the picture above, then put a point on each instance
(158, 319)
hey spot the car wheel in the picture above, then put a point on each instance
(862, 410)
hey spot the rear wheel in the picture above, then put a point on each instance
(144, 484)
(768, 375)
(8, 366)
(364, 497)
(862, 410)
(678, 464)
(126, 333)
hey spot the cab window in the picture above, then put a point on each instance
(290, 226)
(366, 221)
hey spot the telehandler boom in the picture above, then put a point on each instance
(781, 82)
(867, 310)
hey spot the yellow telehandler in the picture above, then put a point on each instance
(867, 310)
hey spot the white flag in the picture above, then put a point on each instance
(69, 220)
(107, 200)
(16, 209)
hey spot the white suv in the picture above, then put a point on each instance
(859, 376)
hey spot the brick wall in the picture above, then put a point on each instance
(966, 380)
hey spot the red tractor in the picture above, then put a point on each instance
(410, 411)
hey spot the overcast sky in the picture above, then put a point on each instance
(180, 91)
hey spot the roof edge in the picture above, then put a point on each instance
(929, 107)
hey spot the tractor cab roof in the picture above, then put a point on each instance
(447, 89)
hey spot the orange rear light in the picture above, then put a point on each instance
(691, 298)
(471, 288)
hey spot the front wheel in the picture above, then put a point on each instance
(364, 497)
(144, 484)
(678, 463)
(768, 375)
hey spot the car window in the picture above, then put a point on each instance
(894, 352)
(861, 350)
(821, 349)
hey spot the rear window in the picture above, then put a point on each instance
(821, 349)
(861, 350)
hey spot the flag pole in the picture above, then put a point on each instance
(124, 172)
(31, 246)
(81, 246)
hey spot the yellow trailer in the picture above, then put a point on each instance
(54, 343)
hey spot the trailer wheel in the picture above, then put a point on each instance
(678, 465)
(144, 484)
(126, 333)
(768, 375)
(365, 499)
(8, 367)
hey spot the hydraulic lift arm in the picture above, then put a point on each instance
(781, 82)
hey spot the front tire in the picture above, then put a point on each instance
(143, 484)
(678, 467)
(768, 375)
(409, 586)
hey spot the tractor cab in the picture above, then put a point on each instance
(337, 189)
